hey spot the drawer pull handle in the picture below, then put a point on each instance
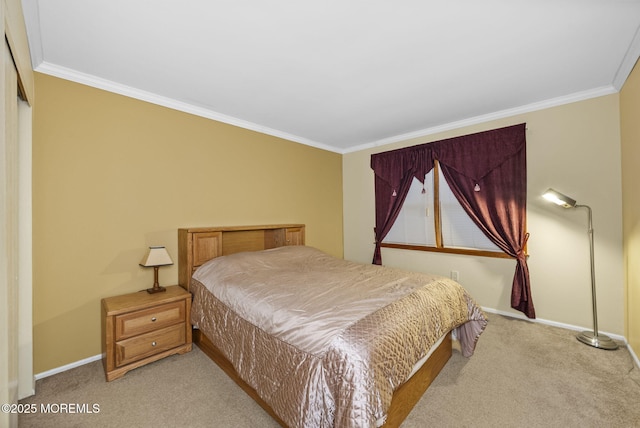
(153, 319)
(153, 343)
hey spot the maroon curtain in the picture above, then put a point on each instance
(395, 171)
(487, 174)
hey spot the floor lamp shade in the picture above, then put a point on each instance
(559, 199)
(155, 257)
(587, 337)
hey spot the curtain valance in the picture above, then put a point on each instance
(473, 155)
(392, 166)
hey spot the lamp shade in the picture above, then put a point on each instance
(156, 256)
(559, 199)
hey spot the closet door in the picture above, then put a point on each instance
(9, 251)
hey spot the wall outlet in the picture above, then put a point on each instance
(455, 275)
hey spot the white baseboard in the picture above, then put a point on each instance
(565, 326)
(490, 310)
(633, 355)
(553, 323)
(68, 367)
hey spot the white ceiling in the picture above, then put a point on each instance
(341, 74)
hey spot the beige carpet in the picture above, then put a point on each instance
(522, 375)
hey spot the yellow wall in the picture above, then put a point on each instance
(574, 148)
(630, 130)
(113, 175)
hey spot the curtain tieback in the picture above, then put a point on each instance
(521, 254)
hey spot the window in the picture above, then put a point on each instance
(437, 224)
(488, 174)
(415, 224)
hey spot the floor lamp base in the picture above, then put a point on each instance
(597, 341)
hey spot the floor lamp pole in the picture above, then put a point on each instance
(593, 338)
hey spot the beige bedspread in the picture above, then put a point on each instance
(325, 341)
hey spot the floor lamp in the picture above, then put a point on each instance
(592, 338)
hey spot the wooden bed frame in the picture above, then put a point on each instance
(198, 245)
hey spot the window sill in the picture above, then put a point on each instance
(462, 251)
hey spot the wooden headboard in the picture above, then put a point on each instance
(200, 244)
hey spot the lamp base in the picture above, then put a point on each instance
(597, 341)
(156, 290)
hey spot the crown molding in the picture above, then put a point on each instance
(128, 91)
(31, 14)
(110, 86)
(628, 62)
(502, 114)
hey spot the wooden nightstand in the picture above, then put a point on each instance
(139, 328)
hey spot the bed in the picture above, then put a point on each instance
(279, 318)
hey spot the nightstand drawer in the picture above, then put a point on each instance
(151, 319)
(136, 348)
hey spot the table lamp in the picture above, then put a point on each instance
(156, 256)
